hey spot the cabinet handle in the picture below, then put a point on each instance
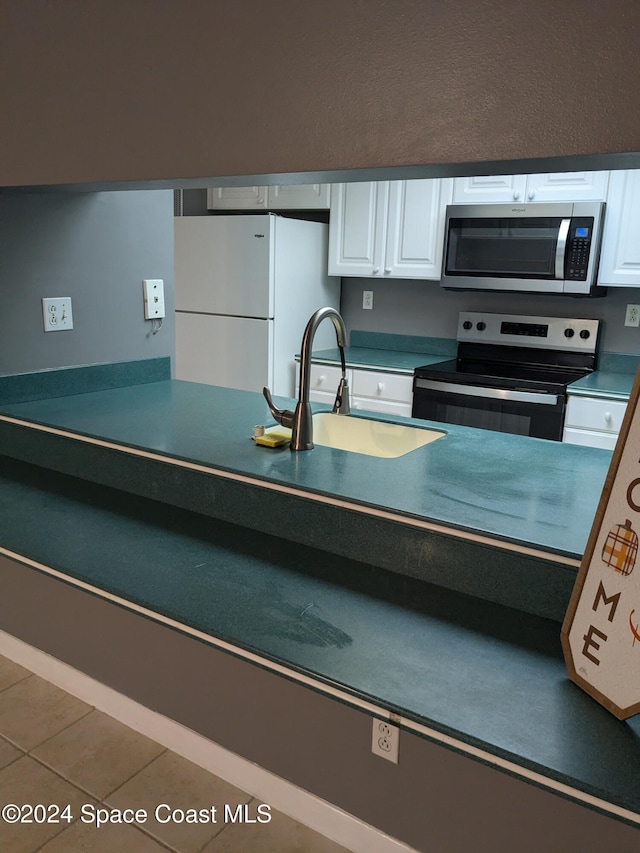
(607, 417)
(376, 270)
(516, 195)
(380, 387)
(387, 270)
(321, 379)
(531, 195)
(260, 201)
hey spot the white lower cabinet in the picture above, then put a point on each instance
(372, 391)
(593, 422)
(324, 381)
(382, 392)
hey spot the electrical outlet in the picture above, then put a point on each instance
(367, 299)
(153, 291)
(385, 740)
(57, 314)
(632, 317)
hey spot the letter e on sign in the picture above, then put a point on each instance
(601, 629)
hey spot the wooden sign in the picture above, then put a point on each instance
(601, 630)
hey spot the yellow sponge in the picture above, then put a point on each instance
(275, 437)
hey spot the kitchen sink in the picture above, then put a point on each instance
(370, 437)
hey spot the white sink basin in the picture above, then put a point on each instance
(371, 437)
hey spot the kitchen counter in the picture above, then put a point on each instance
(369, 358)
(502, 517)
(474, 674)
(391, 353)
(470, 479)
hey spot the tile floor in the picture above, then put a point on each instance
(56, 751)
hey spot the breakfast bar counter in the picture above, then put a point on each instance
(389, 615)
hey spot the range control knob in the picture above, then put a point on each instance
(584, 334)
(467, 324)
(569, 333)
(481, 326)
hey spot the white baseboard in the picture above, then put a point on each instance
(302, 806)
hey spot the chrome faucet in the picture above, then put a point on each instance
(300, 421)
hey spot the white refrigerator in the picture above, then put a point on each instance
(245, 288)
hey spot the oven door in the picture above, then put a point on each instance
(534, 413)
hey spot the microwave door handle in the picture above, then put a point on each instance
(561, 247)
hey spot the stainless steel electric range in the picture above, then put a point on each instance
(510, 375)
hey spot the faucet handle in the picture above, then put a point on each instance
(282, 416)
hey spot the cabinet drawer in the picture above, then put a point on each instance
(325, 378)
(589, 413)
(590, 438)
(383, 386)
(386, 407)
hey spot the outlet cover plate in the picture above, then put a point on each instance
(632, 316)
(385, 740)
(153, 290)
(57, 314)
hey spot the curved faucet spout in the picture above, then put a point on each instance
(307, 345)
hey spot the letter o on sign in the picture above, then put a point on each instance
(630, 499)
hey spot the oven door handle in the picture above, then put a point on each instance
(540, 398)
(561, 247)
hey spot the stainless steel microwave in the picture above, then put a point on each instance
(532, 248)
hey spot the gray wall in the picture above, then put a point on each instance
(95, 248)
(424, 308)
(176, 90)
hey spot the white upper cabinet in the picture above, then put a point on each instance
(391, 229)
(356, 228)
(620, 258)
(489, 188)
(299, 197)
(294, 197)
(567, 186)
(548, 186)
(237, 198)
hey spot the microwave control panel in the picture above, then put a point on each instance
(578, 248)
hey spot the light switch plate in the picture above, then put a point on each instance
(153, 290)
(57, 314)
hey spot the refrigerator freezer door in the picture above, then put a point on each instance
(224, 265)
(229, 351)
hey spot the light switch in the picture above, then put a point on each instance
(57, 314)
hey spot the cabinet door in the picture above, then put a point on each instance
(489, 188)
(620, 258)
(356, 228)
(567, 186)
(299, 197)
(415, 228)
(237, 198)
(382, 386)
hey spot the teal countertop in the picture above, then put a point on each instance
(391, 361)
(479, 673)
(528, 491)
(605, 384)
(391, 353)
(612, 380)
